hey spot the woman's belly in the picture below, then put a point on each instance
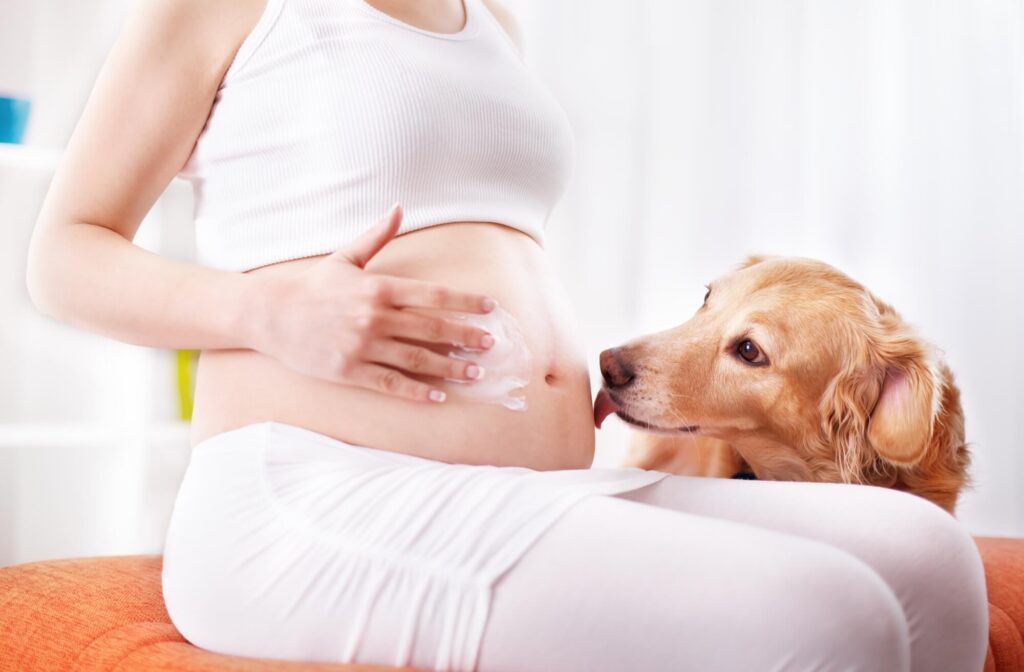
(554, 431)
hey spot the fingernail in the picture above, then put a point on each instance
(487, 341)
(474, 371)
(488, 303)
(436, 395)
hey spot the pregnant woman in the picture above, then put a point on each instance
(393, 428)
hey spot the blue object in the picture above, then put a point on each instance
(13, 118)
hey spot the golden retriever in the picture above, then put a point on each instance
(793, 371)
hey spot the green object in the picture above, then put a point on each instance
(185, 364)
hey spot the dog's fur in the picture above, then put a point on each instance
(848, 392)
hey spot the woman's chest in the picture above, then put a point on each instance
(360, 107)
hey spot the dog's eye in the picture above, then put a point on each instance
(750, 353)
(708, 294)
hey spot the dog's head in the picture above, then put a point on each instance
(807, 374)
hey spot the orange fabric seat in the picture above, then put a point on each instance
(1004, 574)
(107, 613)
(93, 614)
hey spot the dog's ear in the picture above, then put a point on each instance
(885, 402)
(901, 423)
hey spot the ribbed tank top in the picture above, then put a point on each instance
(332, 110)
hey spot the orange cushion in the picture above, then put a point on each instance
(92, 614)
(1004, 574)
(108, 614)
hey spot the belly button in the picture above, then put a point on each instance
(549, 379)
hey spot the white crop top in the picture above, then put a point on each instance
(332, 110)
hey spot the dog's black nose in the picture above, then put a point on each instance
(615, 370)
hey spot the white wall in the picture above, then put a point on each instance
(50, 51)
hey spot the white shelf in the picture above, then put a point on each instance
(30, 158)
(47, 435)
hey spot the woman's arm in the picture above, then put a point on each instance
(139, 125)
(333, 321)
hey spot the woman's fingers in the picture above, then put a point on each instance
(434, 329)
(409, 293)
(394, 383)
(418, 359)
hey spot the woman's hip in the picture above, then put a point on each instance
(287, 543)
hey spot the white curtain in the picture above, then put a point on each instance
(882, 136)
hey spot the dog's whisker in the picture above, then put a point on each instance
(679, 395)
(679, 418)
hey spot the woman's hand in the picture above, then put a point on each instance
(339, 322)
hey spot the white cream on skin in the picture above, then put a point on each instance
(506, 364)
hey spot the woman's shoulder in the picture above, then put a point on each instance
(211, 29)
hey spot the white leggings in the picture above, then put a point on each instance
(711, 574)
(289, 544)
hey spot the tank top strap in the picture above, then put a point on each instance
(493, 27)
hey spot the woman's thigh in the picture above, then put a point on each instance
(620, 585)
(927, 558)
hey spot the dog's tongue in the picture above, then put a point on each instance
(603, 407)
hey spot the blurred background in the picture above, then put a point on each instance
(883, 136)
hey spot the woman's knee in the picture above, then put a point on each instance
(931, 561)
(928, 559)
(918, 546)
(695, 593)
(834, 612)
